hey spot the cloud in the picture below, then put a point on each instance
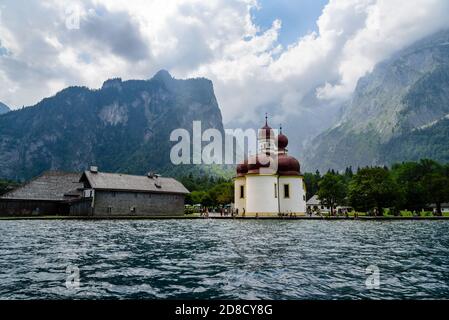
(116, 31)
(389, 26)
(218, 39)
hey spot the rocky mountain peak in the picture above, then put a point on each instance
(4, 108)
(124, 127)
(404, 93)
(112, 83)
(163, 75)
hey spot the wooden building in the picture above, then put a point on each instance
(48, 194)
(94, 193)
(113, 194)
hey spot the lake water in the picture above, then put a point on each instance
(223, 259)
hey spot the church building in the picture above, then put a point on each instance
(270, 183)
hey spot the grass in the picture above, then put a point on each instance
(360, 214)
(406, 213)
(409, 214)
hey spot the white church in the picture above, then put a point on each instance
(270, 183)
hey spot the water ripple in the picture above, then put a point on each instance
(209, 259)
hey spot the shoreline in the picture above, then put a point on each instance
(101, 218)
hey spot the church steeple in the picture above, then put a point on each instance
(266, 138)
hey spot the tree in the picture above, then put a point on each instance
(207, 201)
(195, 197)
(373, 188)
(408, 176)
(6, 186)
(436, 186)
(222, 194)
(348, 174)
(332, 190)
(423, 183)
(312, 180)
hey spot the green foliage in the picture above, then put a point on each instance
(373, 188)
(332, 190)
(422, 183)
(6, 186)
(223, 193)
(208, 190)
(437, 189)
(312, 183)
(412, 186)
(408, 176)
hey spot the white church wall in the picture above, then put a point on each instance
(239, 202)
(296, 203)
(260, 196)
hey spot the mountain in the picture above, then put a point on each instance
(4, 108)
(397, 113)
(123, 127)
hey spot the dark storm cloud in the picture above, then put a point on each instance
(118, 31)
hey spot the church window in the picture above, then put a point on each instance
(242, 192)
(276, 190)
(286, 191)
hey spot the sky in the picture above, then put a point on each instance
(284, 57)
(298, 17)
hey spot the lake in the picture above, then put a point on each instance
(202, 259)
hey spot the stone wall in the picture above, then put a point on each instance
(109, 203)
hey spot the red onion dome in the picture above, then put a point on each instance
(282, 141)
(255, 163)
(288, 165)
(242, 169)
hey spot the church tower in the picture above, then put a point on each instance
(262, 192)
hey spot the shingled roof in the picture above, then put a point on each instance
(50, 186)
(314, 201)
(124, 182)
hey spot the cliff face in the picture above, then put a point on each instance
(4, 108)
(124, 126)
(405, 95)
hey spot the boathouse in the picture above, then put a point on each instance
(48, 194)
(115, 194)
(95, 193)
